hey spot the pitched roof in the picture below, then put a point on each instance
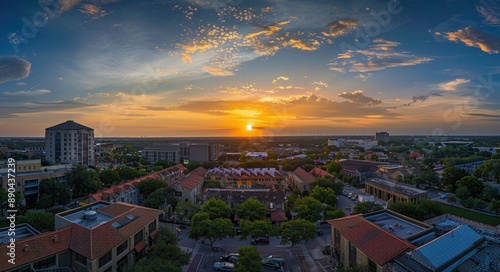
(446, 248)
(278, 216)
(303, 175)
(68, 125)
(95, 242)
(193, 179)
(36, 247)
(318, 172)
(378, 244)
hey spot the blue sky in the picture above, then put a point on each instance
(250, 68)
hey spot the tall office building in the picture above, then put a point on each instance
(70, 142)
(382, 136)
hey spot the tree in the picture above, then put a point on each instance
(472, 183)
(452, 198)
(186, 210)
(463, 192)
(157, 198)
(324, 195)
(251, 210)
(83, 181)
(333, 167)
(249, 260)
(164, 163)
(428, 177)
(297, 231)
(495, 206)
(165, 256)
(42, 221)
(334, 214)
(53, 190)
(150, 185)
(489, 170)
(308, 208)
(109, 177)
(451, 175)
(339, 155)
(258, 228)
(216, 208)
(328, 182)
(489, 192)
(366, 207)
(203, 227)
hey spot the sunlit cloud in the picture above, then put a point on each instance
(359, 98)
(476, 38)
(283, 78)
(216, 71)
(452, 85)
(339, 27)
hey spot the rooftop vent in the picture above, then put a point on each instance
(89, 215)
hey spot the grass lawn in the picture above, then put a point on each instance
(469, 214)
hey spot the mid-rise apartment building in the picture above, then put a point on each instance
(70, 142)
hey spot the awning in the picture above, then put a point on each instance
(152, 234)
(140, 246)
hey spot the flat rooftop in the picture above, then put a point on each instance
(22, 231)
(396, 225)
(396, 187)
(88, 217)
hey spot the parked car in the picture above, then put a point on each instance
(225, 257)
(354, 197)
(260, 240)
(276, 258)
(233, 259)
(276, 265)
(445, 195)
(349, 195)
(239, 232)
(223, 266)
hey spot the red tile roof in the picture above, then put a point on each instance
(95, 242)
(278, 216)
(38, 246)
(193, 179)
(378, 244)
(318, 172)
(303, 175)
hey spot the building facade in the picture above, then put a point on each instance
(246, 178)
(70, 142)
(394, 192)
(29, 174)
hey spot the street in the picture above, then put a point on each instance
(305, 257)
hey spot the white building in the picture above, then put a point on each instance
(70, 142)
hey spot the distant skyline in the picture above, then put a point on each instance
(210, 68)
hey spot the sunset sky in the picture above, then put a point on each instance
(250, 67)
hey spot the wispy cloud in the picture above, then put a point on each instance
(476, 38)
(359, 98)
(490, 10)
(27, 93)
(379, 56)
(13, 68)
(452, 85)
(217, 71)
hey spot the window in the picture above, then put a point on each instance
(81, 259)
(152, 226)
(138, 237)
(122, 247)
(105, 259)
(45, 263)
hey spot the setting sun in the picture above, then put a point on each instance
(249, 127)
